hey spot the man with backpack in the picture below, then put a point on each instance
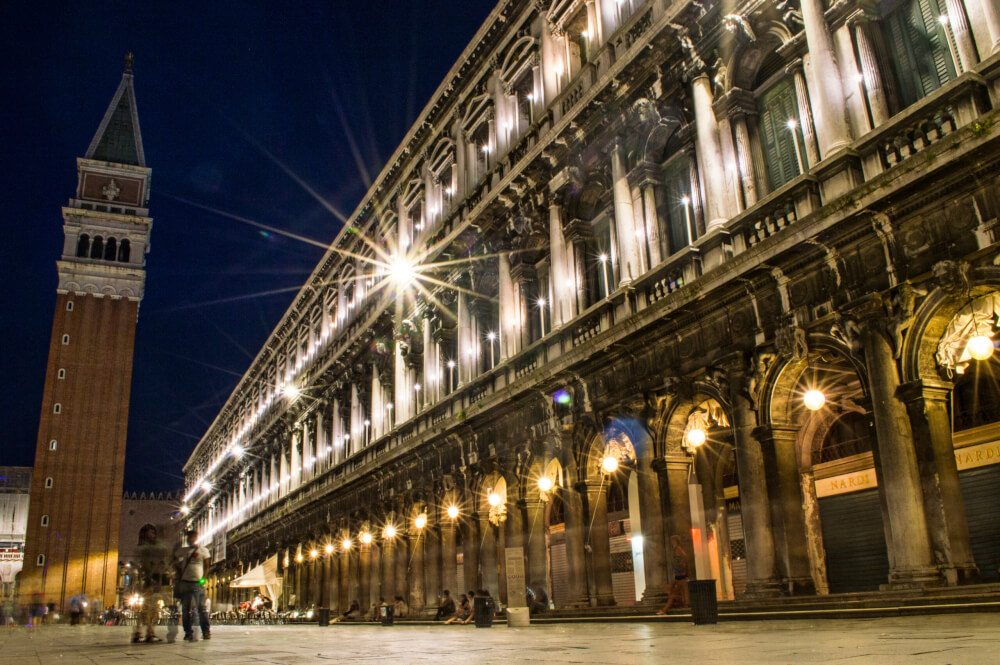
(190, 561)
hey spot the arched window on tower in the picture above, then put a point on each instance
(124, 250)
(97, 248)
(110, 249)
(83, 245)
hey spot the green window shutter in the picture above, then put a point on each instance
(919, 49)
(776, 107)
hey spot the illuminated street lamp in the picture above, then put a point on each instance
(494, 499)
(421, 521)
(313, 553)
(980, 347)
(695, 437)
(366, 538)
(814, 400)
(329, 548)
(545, 484)
(609, 464)
(388, 532)
(346, 544)
(452, 512)
(291, 391)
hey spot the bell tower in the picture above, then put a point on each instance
(76, 492)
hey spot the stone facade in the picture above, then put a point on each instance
(643, 269)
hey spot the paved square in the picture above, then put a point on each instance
(961, 639)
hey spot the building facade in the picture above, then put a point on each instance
(15, 487)
(724, 271)
(75, 510)
(140, 509)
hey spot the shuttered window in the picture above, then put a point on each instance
(776, 107)
(918, 44)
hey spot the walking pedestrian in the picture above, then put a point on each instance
(190, 561)
(679, 589)
(153, 577)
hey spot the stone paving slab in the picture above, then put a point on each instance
(967, 639)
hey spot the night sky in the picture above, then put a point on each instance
(219, 85)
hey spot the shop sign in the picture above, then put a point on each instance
(848, 482)
(979, 455)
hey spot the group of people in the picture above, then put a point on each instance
(166, 577)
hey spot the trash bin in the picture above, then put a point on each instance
(387, 613)
(482, 610)
(324, 616)
(704, 603)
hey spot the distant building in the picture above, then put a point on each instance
(138, 510)
(72, 538)
(15, 486)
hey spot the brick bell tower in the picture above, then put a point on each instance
(76, 491)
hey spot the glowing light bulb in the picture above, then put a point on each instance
(494, 499)
(421, 521)
(696, 437)
(452, 512)
(545, 483)
(814, 400)
(346, 544)
(609, 464)
(389, 531)
(329, 548)
(451, 364)
(290, 391)
(401, 271)
(313, 554)
(792, 123)
(980, 347)
(602, 258)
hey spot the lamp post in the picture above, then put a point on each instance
(603, 258)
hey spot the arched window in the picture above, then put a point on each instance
(40, 561)
(110, 249)
(69, 305)
(97, 248)
(850, 434)
(53, 444)
(61, 374)
(49, 482)
(45, 520)
(83, 246)
(124, 250)
(57, 408)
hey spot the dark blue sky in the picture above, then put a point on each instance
(210, 79)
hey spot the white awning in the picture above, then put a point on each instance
(263, 577)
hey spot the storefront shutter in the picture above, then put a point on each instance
(856, 554)
(981, 493)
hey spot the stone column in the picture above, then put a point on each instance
(710, 154)
(488, 557)
(827, 90)
(417, 600)
(654, 542)
(871, 77)
(537, 554)
(805, 112)
(353, 578)
(470, 553)
(927, 403)
(576, 561)
(599, 540)
(344, 587)
(624, 218)
(754, 502)
(388, 568)
(375, 591)
(674, 470)
(652, 222)
(402, 566)
(748, 179)
(991, 13)
(432, 564)
(561, 308)
(514, 537)
(895, 458)
(449, 570)
(523, 276)
(365, 574)
(510, 316)
(785, 480)
(965, 52)
(333, 578)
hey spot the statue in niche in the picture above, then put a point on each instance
(790, 341)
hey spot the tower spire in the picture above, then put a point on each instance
(118, 138)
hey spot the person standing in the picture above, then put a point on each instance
(190, 561)
(153, 567)
(679, 589)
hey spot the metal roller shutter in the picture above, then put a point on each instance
(856, 554)
(981, 492)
